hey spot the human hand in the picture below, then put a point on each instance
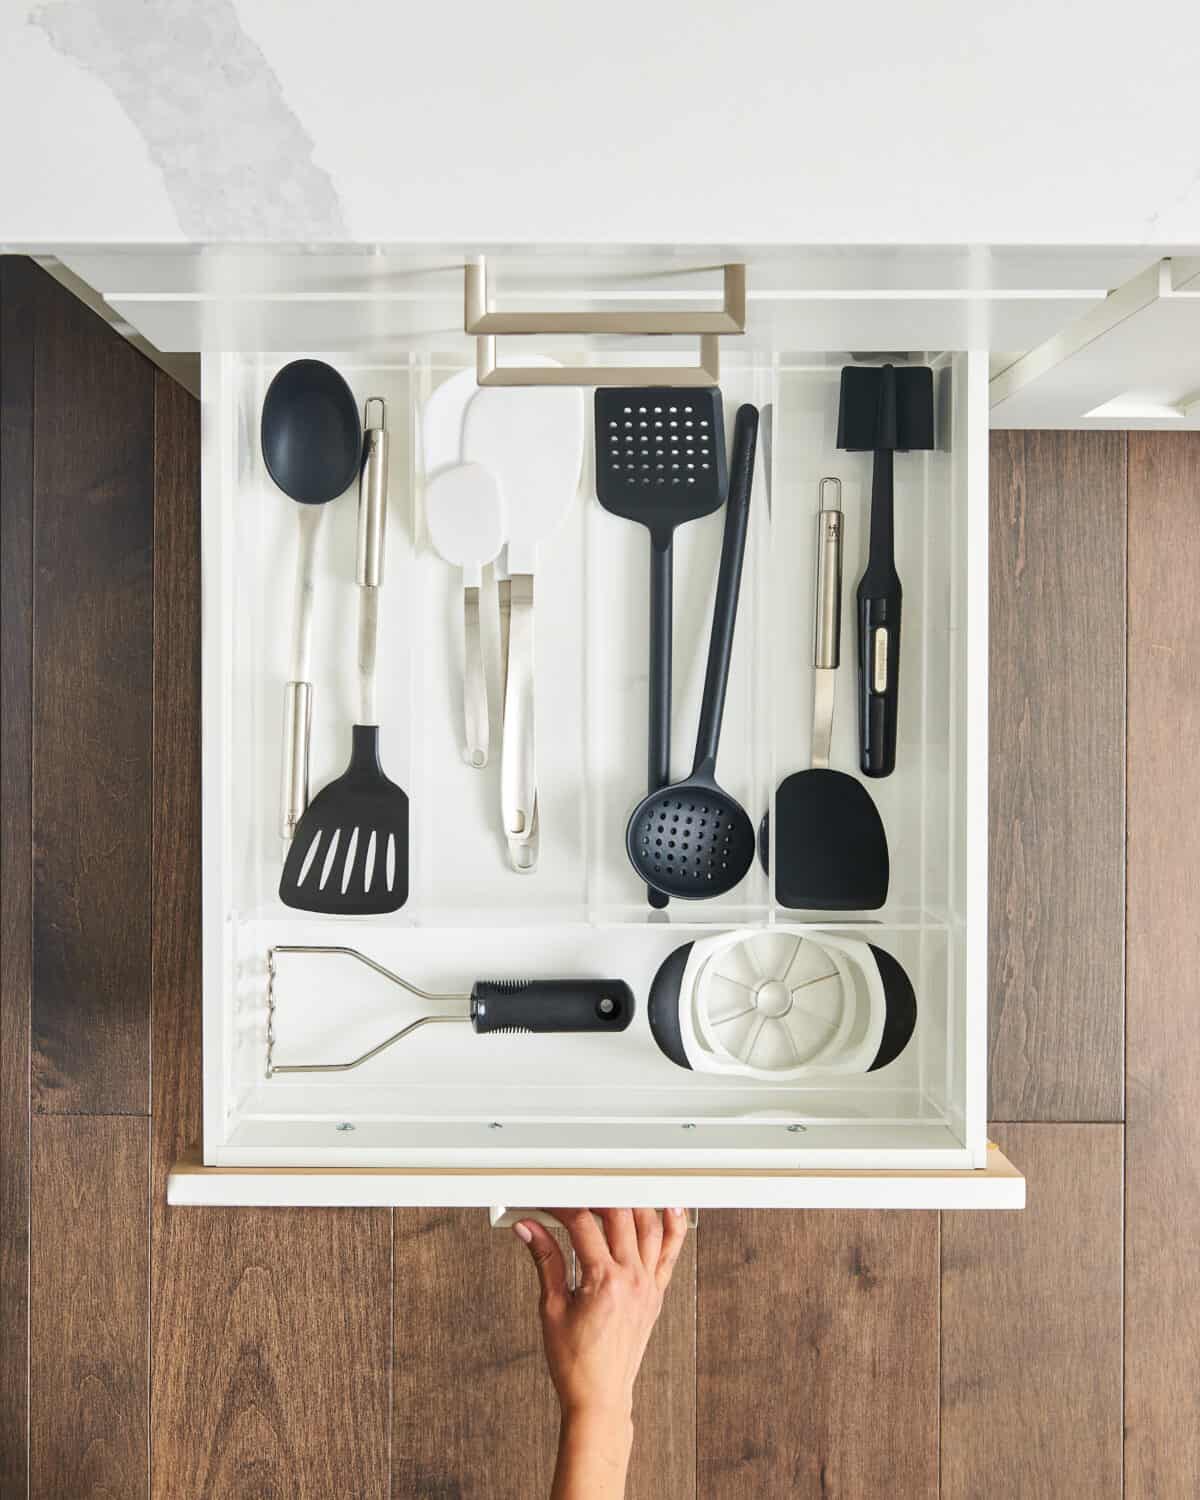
(595, 1336)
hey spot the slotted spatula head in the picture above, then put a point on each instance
(660, 454)
(349, 854)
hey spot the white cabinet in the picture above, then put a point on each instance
(450, 1117)
(799, 298)
(1130, 361)
(1078, 336)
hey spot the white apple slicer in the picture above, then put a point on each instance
(781, 1002)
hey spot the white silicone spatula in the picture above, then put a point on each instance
(441, 422)
(464, 510)
(532, 439)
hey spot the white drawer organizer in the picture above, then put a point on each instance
(447, 1117)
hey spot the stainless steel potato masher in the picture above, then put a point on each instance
(498, 1005)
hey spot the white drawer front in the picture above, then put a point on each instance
(998, 1185)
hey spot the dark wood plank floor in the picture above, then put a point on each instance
(273, 1357)
(1031, 1326)
(248, 1354)
(818, 1355)
(88, 1289)
(439, 1434)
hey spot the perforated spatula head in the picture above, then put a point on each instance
(660, 454)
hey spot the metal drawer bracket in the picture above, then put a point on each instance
(485, 326)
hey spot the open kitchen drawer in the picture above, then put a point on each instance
(450, 1117)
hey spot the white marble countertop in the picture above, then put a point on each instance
(995, 122)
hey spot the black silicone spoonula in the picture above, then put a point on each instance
(660, 461)
(882, 409)
(693, 840)
(831, 850)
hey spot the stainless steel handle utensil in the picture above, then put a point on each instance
(297, 729)
(475, 702)
(465, 514)
(297, 693)
(518, 766)
(830, 849)
(372, 498)
(372, 535)
(533, 442)
(827, 634)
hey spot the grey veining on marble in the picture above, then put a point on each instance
(237, 164)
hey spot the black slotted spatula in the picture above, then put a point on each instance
(349, 854)
(660, 461)
(883, 410)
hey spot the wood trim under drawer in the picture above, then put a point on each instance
(997, 1185)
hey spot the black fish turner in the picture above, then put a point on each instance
(349, 854)
(882, 410)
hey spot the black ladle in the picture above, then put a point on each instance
(312, 445)
(693, 840)
(660, 461)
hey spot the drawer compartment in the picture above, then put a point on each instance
(448, 1116)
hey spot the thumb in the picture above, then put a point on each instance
(547, 1257)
